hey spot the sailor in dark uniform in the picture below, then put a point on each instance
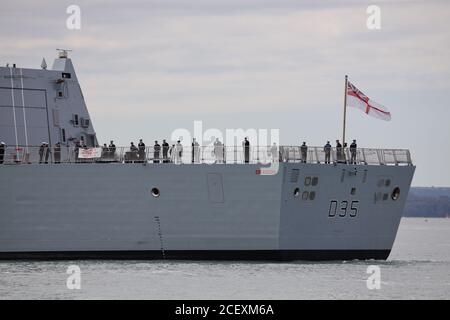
(156, 152)
(2, 152)
(246, 146)
(327, 150)
(105, 151)
(57, 152)
(339, 152)
(82, 143)
(141, 150)
(132, 155)
(41, 152)
(218, 151)
(353, 152)
(47, 152)
(165, 150)
(112, 149)
(194, 146)
(304, 151)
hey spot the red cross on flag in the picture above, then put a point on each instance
(357, 99)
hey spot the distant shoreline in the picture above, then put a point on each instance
(428, 202)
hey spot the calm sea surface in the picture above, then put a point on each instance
(418, 268)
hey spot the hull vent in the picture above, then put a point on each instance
(294, 175)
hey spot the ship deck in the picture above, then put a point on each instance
(15, 155)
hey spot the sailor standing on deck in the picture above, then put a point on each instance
(304, 151)
(141, 152)
(105, 151)
(353, 152)
(172, 153)
(41, 152)
(2, 152)
(112, 149)
(192, 150)
(327, 150)
(133, 152)
(47, 152)
(156, 152)
(195, 151)
(274, 152)
(246, 146)
(83, 144)
(133, 148)
(339, 152)
(218, 151)
(178, 152)
(165, 149)
(57, 152)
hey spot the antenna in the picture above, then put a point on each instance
(44, 64)
(63, 53)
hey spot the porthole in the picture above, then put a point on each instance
(387, 182)
(296, 192)
(312, 195)
(395, 193)
(307, 181)
(353, 191)
(315, 181)
(155, 192)
(305, 195)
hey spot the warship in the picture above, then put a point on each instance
(71, 199)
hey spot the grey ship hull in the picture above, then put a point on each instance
(96, 211)
(106, 210)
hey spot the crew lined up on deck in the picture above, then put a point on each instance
(174, 153)
(171, 154)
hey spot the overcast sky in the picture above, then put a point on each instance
(149, 67)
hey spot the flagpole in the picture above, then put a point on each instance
(345, 110)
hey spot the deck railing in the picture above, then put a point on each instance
(205, 154)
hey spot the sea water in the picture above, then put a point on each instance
(418, 268)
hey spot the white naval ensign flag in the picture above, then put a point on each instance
(357, 99)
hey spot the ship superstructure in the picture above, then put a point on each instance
(40, 105)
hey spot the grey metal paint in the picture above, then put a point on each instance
(110, 207)
(305, 224)
(40, 93)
